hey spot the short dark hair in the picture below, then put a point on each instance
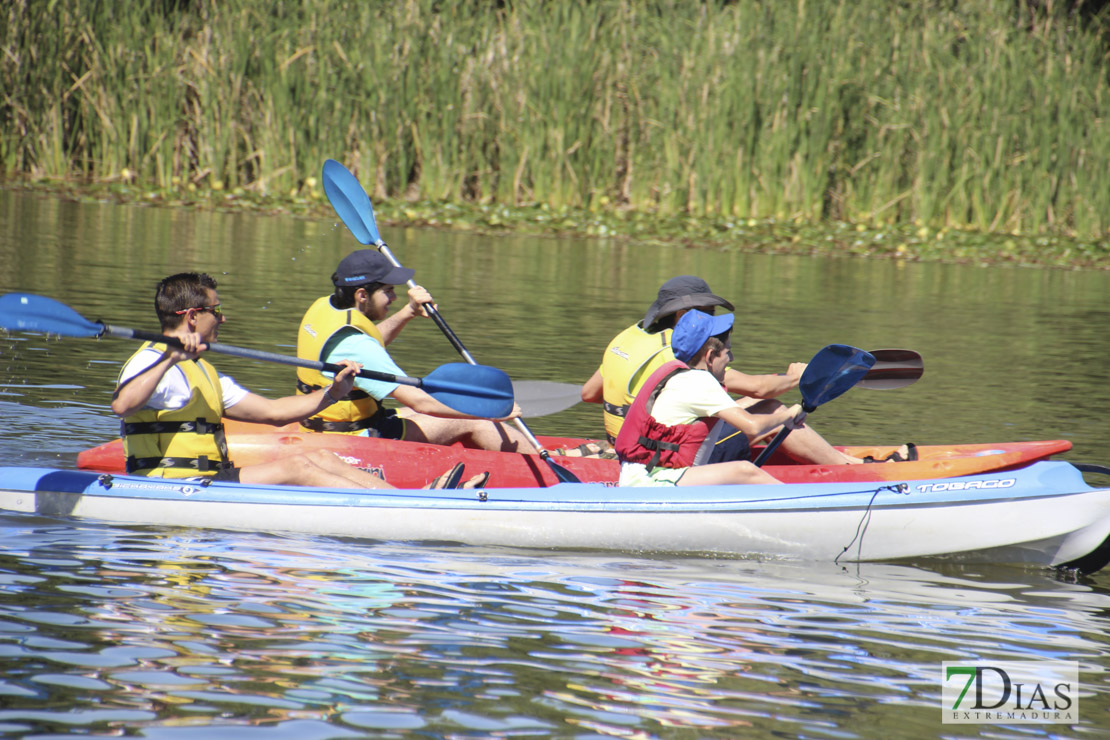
(180, 292)
(713, 344)
(344, 296)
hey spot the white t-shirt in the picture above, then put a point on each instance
(173, 390)
(686, 397)
(689, 396)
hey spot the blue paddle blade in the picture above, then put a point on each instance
(831, 372)
(36, 313)
(350, 202)
(477, 390)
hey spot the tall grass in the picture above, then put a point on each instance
(967, 114)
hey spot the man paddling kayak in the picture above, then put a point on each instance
(343, 325)
(172, 404)
(671, 429)
(642, 348)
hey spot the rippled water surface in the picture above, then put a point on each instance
(170, 633)
(177, 632)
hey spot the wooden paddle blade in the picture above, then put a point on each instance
(36, 313)
(893, 368)
(831, 372)
(476, 390)
(543, 397)
(350, 201)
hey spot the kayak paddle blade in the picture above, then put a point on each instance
(561, 474)
(476, 390)
(893, 368)
(36, 313)
(543, 397)
(831, 372)
(350, 202)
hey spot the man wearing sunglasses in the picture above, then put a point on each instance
(173, 402)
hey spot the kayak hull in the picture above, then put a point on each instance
(1043, 514)
(412, 464)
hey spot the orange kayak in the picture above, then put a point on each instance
(412, 464)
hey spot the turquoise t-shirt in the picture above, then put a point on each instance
(351, 344)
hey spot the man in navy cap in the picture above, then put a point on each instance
(342, 325)
(643, 347)
(671, 428)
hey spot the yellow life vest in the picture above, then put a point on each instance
(628, 361)
(357, 409)
(184, 442)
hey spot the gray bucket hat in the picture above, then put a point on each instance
(684, 291)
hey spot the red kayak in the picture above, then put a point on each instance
(412, 464)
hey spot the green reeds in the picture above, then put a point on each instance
(964, 114)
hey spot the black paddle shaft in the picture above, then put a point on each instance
(253, 354)
(561, 473)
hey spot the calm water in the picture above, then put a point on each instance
(165, 633)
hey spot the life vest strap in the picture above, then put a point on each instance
(657, 446)
(355, 394)
(615, 410)
(201, 464)
(316, 424)
(200, 426)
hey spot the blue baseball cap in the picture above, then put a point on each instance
(694, 329)
(366, 266)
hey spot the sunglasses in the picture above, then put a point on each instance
(217, 310)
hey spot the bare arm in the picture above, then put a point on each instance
(281, 411)
(764, 386)
(133, 394)
(755, 426)
(390, 327)
(421, 402)
(593, 389)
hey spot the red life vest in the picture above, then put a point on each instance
(644, 440)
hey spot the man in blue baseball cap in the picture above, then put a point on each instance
(354, 323)
(672, 426)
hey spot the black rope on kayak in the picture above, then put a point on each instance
(865, 521)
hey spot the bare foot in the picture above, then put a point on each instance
(477, 481)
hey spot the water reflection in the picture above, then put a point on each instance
(167, 630)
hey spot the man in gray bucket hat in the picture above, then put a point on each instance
(642, 348)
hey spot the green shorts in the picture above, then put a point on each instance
(635, 475)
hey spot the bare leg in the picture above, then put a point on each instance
(804, 444)
(479, 434)
(319, 468)
(737, 471)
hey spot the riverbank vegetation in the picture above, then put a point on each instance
(925, 130)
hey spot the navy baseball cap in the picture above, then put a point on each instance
(694, 329)
(366, 266)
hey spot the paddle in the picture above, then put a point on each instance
(543, 397)
(476, 390)
(893, 368)
(353, 207)
(831, 372)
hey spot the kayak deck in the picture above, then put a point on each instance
(413, 464)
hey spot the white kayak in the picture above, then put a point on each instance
(1043, 514)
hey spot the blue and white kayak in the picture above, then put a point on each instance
(1043, 514)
